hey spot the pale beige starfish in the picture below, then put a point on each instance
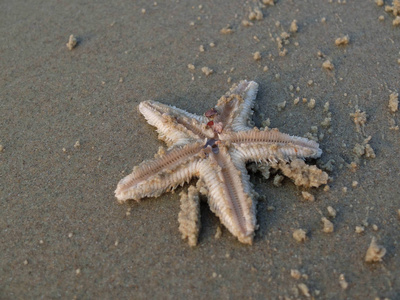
(215, 149)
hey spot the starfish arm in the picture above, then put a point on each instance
(271, 146)
(245, 111)
(229, 198)
(236, 107)
(175, 126)
(153, 177)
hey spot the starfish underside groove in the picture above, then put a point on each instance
(215, 149)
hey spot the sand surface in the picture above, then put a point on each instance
(63, 235)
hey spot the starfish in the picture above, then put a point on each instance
(215, 149)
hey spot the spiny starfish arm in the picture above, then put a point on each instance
(236, 107)
(244, 113)
(248, 189)
(153, 177)
(175, 126)
(227, 195)
(271, 145)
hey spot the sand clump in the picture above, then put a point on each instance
(72, 42)
(218, 233)
(327, 65)
(359, 118)
(311, 104)
(295, 274)
(268, 2)
(327, 121)
(394, 8)
(247, 23)
(331, 212)
(359, 229)
(342, 282)
(364, 149)
(394, 102)
(226, 30)
(300, 235)
(294, 27)
(342, 41)
(281, 106)
(207, 71)
(257, 56)
(307, 196)
(303, 174)
(304, 289)
(256, 14)
(375, 252)
(189, 216)
(278, 180)
(328, 225)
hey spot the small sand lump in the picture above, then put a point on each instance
(71, 42)
(226, 30)
(375, 253)
(342, 40)
(328, 225)
(359, 118)
(257, 56)
(299, 235)
(304, 290)
(293, 26)
(394, 102)
(218, 233)
(281, 106)
(207, 70)
(256, 14)
(295, 273)
(360, 229)
(342, 282)
(268, 2)
(327, 65)
(364, 149)
(307, 196)
(311, 104)
(331, 211)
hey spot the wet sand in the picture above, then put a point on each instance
(63, 235)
